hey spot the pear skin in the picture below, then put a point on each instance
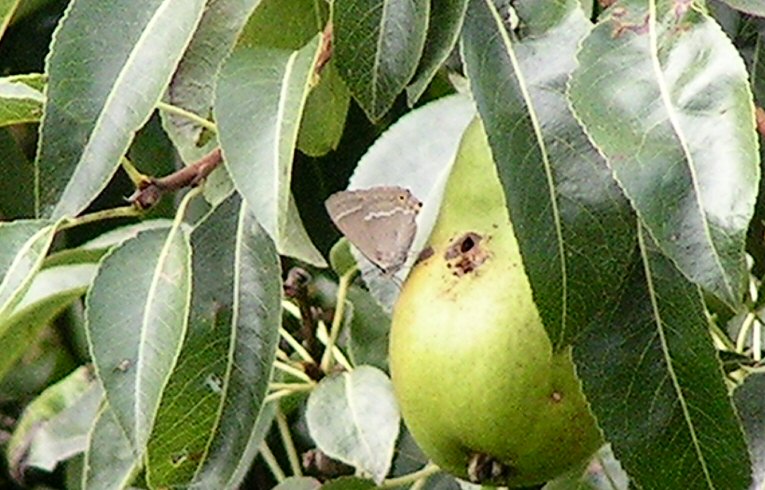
(472, 366)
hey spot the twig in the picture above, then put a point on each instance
(150, 191)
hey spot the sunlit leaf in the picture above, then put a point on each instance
(21, 99)
(258, 104)
(50, 430)
(110, 462)
(129, 50)
(664, 95)
(136, 321)
(51, 290)
(353, 417)
(193, 83)
(23, 246)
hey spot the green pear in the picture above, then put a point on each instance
(478, 383)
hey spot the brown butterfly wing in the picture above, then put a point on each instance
(379, 222)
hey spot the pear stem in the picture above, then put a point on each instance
(296, 345)
(743, 334)
(427, 471)
(179, 111)
(120, 212)
(289, 369)
(272, 463)
(337, 318)
(289, 445)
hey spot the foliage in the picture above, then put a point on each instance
(168, 317)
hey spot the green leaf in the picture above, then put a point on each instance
(324, 116)
(602, 472)
(214, 397)
(51, 291)
(663, 94)
(193, 83)
(117, 236)
(34, 431)
(90, 120)
(295, 241)
(136, 322)
(349, 483)
(340, 257)
(17, 193)
(353, 417)
(7, 11)
(757, 70)
(573, 226)
(376, 47)
(66, 434)
(370, 329)
(23, 246)
(258, 104)
(110, 463)
(417, 153)
(656, 386)
(446, 17)
(752, 7)
(21, 99)
(284, 24)
(290, 24)
(748, 398)
(298, 483)
(258, 434)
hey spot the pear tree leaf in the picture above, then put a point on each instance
(8, 9)
(33, 440)
(17, 185)
(654, 382)
(752, 7)
(757, 69)
(748, 398)
(110, 462)
(21, 98)
(353, 417)
(136, 315)
(117, 236)
(340, 257)
(370, 330)
(299, 483)
(417, 153)
(573, 225)
(214, 398)
(193, 83)
(23, 247)
(284, 24)
(376, 47)
(66, 434)
(445, 24)
(89, 121)
(50, 292)
(290, 24)
(258, 105)
(325, 111)
(349, 483)
(257, 435)
(663, 94)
